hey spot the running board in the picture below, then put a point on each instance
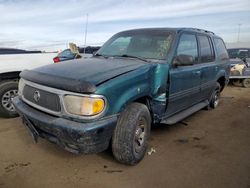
(185, 113)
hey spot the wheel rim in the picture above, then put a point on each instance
(216, 99)
(246, 83)
(7, 99)
(140, 133)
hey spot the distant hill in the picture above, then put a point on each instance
(17, 51)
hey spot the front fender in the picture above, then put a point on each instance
(159, 76)
(126, 88)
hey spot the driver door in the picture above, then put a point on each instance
(184, 89)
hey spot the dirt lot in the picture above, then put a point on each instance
(211, 150)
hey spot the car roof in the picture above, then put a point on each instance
(171, 29)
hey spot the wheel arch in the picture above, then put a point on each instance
(146, 101)
(10, 75)
(222, 81)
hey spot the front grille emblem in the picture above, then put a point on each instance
(36, 96)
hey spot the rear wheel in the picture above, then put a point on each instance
(8, 90)
(215, 97)
(246, 82)
(130, 139)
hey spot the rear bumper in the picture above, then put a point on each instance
(73, 136)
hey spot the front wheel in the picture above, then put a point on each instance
(8, 90)
(130, 139)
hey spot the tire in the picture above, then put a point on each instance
(130, 138)
(215, 97)
(8, 90)
(236, 82)
(246, 82)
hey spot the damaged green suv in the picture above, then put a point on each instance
(138, 78)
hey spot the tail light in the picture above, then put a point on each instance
(56, 59)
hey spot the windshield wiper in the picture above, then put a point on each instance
(131, 56)
(100, 55)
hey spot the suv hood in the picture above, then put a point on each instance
(81, 75)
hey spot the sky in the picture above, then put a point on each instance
(51, 24)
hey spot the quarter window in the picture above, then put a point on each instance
(206, 53)
(188, 46)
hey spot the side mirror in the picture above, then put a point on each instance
(183, 60)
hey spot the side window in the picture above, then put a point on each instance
(188, 46)
(221, 49)
(206, 52)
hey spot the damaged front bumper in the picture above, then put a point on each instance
(73, 136)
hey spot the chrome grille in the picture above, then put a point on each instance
(48, 100)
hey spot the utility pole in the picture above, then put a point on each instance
(239, 32)
(86, 30)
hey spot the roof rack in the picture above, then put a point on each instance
(202, 30)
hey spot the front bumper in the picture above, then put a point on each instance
(73, 136)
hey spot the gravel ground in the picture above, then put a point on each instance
(208, 149)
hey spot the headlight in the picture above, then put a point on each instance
(84, 106)
(21, 85)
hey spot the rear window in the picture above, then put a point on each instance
(206, 52)
(66, 54)
(221, 49)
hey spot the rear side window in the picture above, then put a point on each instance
(188, 46)
(206, 53)
(221, 49)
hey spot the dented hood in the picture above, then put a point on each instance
(81, 75)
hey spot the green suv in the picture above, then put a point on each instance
(136, 79)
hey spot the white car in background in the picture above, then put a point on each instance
(10, 67)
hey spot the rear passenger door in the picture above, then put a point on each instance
(208, 66)
(184, 89)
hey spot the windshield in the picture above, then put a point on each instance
(144, 44)
(239, 53)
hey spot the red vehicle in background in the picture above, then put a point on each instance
(69, 54)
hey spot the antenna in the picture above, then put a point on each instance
(239, 32)
(86, 30)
